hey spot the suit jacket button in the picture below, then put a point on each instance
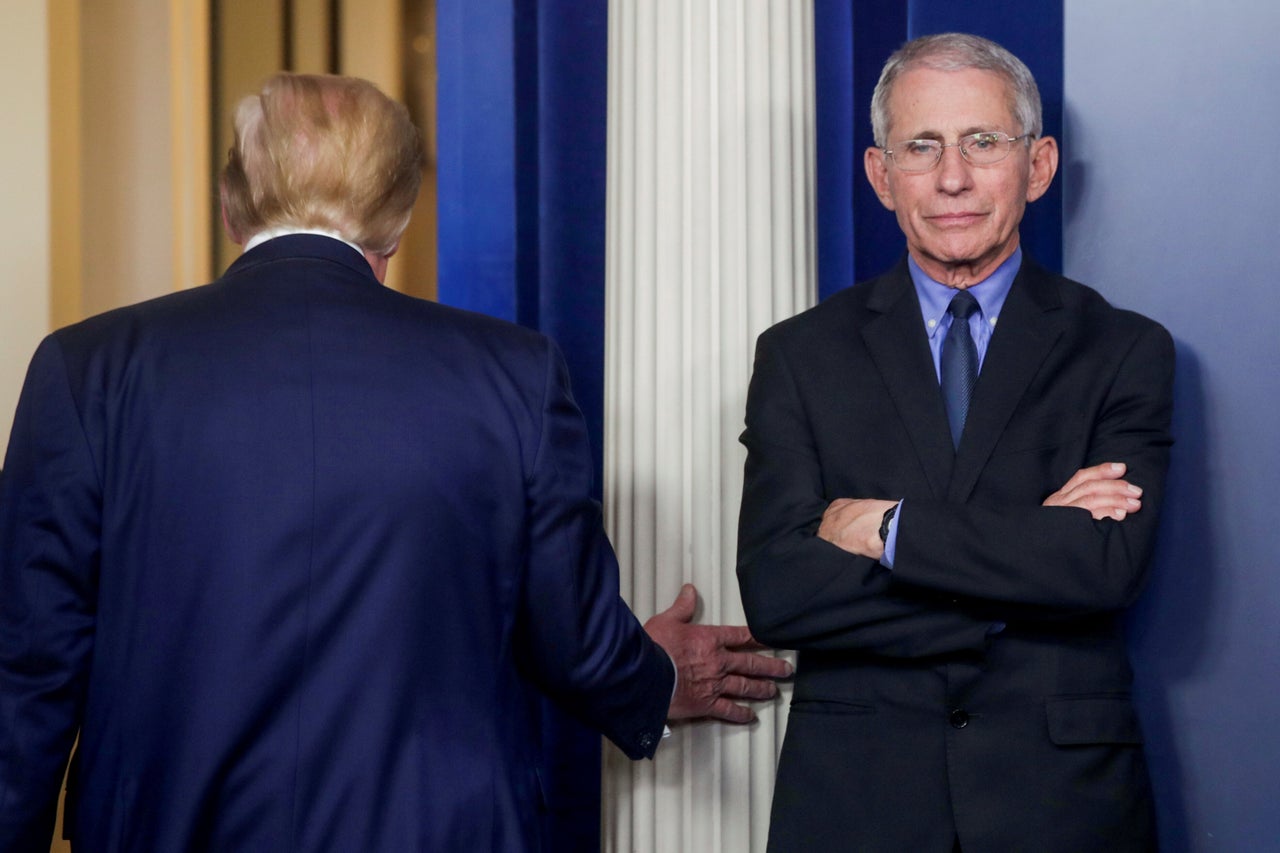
(959, 718)
(646, 741)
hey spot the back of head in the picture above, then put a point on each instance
(958, 52)
(323, 152)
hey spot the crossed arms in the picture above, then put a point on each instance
(809, 549)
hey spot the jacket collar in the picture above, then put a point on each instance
(303, 246)
(1031, 321)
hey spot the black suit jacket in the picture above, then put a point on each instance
(981, 687)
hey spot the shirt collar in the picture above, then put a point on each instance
(285, 230)
(990, 292)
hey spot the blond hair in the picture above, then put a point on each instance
(325, 152)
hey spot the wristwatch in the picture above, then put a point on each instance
(884, 522)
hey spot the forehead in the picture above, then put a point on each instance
(926, 102)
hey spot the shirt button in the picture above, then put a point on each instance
(959, 718)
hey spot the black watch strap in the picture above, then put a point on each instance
(884, 522)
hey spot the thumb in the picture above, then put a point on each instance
(685, 604)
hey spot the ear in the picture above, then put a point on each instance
(378, 262)
(226, 224)
(873, 162)
(1044, 165)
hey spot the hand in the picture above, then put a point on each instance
(714, 664)
(1101, 491)
(854, 525)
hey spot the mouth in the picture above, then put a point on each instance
(954, 220)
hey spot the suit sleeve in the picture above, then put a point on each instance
(1036, 561)
(802, 592)
(50, 507)
(582, 643)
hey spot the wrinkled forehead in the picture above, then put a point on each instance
(932, 103)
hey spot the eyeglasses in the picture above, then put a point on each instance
(980, 149)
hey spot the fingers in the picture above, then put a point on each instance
(1104, 471)
(757, 666)
(750, 644)
(736, 687)
(741, 687)
(712, 674)
(732, 636)
(719, 699)
(730, 712)
(1099, 490)
(738, 643)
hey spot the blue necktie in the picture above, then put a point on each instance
(959, 363)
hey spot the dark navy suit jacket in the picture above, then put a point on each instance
(296, 554)
(915, 717)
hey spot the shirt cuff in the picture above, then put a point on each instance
(891, 541)
(675, 682)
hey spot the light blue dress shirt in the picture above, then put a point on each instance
(934, 299)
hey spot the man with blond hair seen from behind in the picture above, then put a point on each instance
(947, 516)
(296, 554)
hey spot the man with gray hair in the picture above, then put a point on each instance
(297, 555)
(947, 517)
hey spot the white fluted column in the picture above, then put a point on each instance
(710, 241)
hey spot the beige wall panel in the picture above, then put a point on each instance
(189, 130)
(417, 264)
(250, 42)
(370, 43)
(24, 205)
(65, 144)
(126, 190)
(310, 37)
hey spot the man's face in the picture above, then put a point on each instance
(960, 220)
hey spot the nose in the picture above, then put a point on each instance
(954, 172)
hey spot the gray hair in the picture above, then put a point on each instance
(958, 52)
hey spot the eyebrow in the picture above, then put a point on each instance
(933, 134)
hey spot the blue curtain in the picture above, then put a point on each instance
(521, 117)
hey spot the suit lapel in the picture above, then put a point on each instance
(1031, 322)
(900, 350)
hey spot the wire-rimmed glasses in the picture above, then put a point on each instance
(985, 148)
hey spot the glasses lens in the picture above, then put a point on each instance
(986, 148)
(916, 155)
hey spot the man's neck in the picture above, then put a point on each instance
(964, 274)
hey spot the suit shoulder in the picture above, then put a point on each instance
(835, 315)
(215, 304)
(129, 321)
(480, 325)
(1097, 309)
(460, 330)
